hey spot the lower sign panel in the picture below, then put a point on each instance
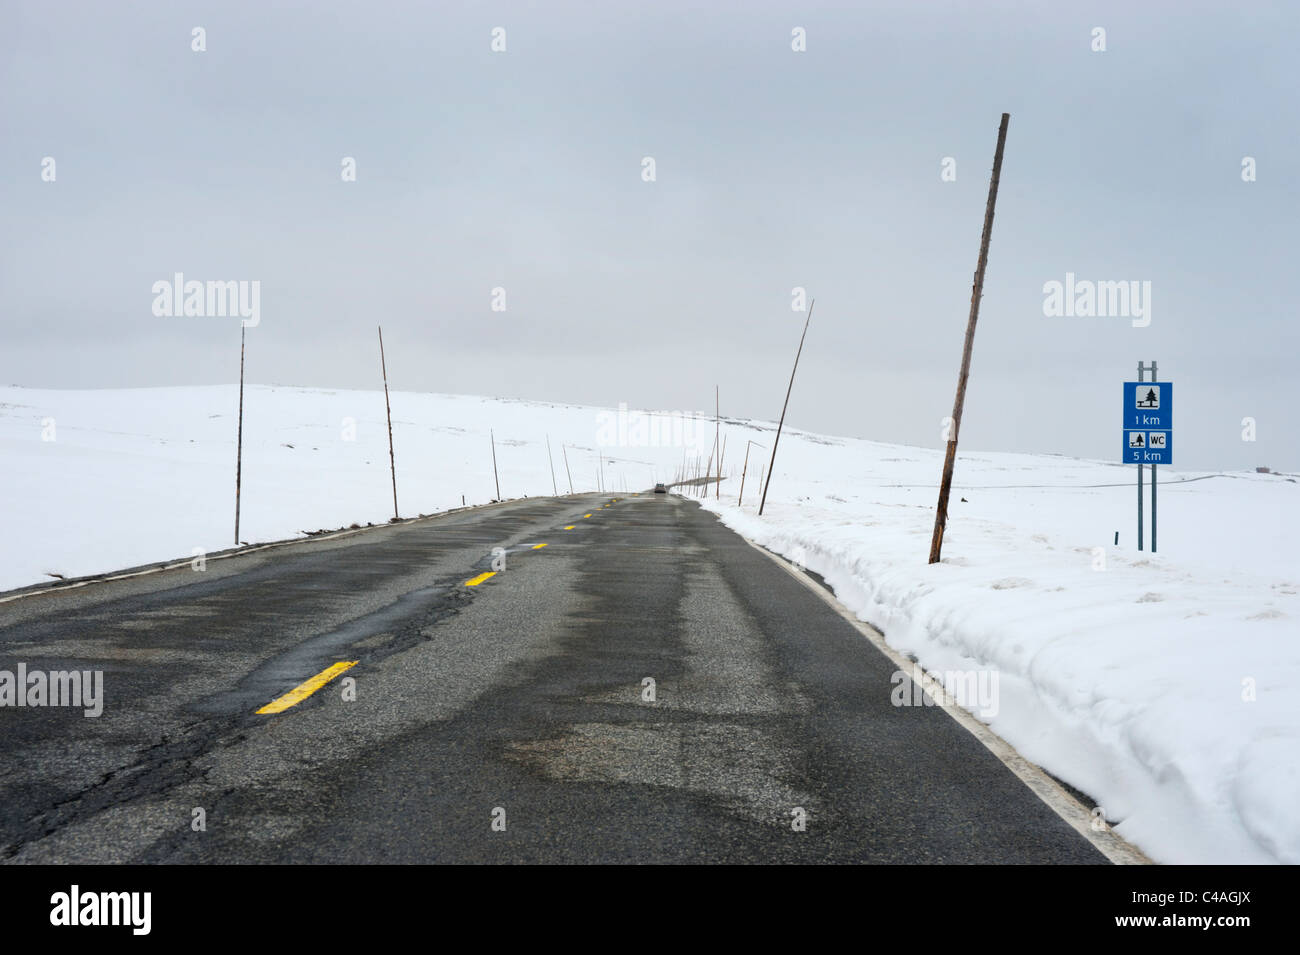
(1148, 447)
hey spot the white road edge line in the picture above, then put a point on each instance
(1057, 798)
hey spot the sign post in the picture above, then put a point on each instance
(1148, 433)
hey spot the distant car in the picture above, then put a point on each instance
(661, 489)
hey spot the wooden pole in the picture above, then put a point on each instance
(703, 489)
(721, 454)
(554, 489)
(745, 470)
(717, 430)
(569, 474)
(495, 476)
(239, 439)
(772, 466)
(977, 291)
(387, 407)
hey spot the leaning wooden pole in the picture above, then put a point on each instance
(495, 476)
(239, 439)
(977, 291)
(772, 465)
(554, 489)
(721, 454)
(392, 462)
(745, 470)
(703, 489)
(567, 473)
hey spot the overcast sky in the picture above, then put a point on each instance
(523, 169)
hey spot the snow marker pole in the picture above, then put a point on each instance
(554, 490)
(771, 467)
(976, 292)
(392, 461)
(495, 477)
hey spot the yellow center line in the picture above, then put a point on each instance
(571, 527)
(538, 546)
(586, 515)
(304, 690)
(475, 581)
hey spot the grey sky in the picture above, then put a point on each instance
(775, 169)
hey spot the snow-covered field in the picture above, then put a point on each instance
(1166, 686)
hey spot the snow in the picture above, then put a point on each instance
(1165, 686)
(1126, 674)
(144, 475)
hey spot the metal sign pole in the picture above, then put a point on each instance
(1153, 508)
(1142, 370)
(239, 440)
(1139, 507)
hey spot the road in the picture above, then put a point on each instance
(506, 721)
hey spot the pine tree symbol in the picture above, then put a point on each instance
(1150, 401)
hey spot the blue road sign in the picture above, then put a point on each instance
(1148, 422)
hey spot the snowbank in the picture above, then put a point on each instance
(1165, 686)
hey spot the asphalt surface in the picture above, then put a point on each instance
(519, 701)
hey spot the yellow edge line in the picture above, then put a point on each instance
(538, 546)
(475, 581)
(304, 690)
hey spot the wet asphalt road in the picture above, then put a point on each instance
(520, 700)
